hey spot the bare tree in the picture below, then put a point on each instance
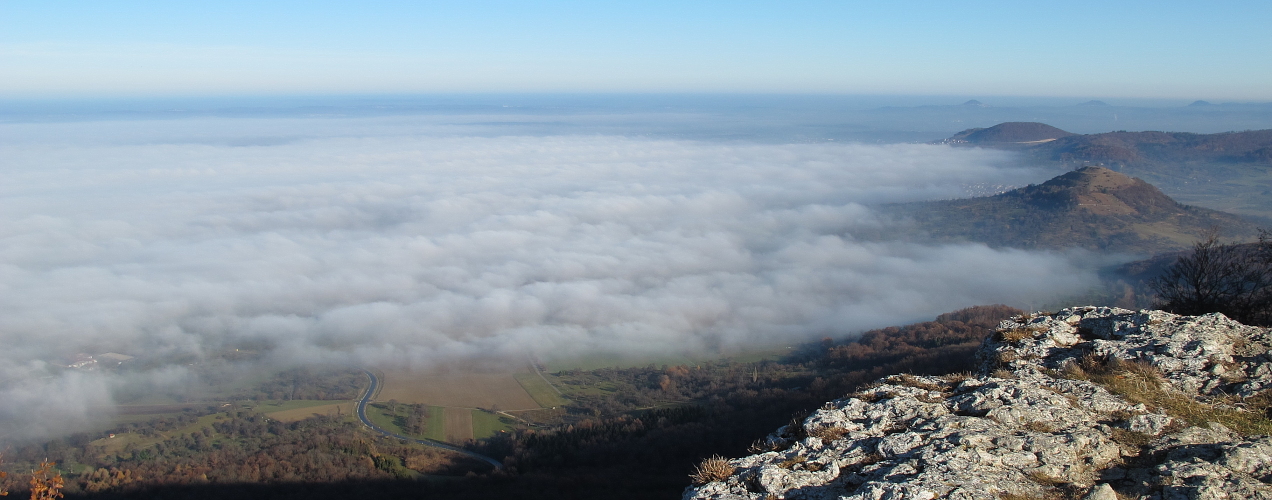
(1232, 279)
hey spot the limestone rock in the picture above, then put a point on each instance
(1022, 428)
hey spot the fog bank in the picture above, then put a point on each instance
(395, 243)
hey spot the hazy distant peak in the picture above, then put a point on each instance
(1011, 132)
(1201, 103)
(975, 103)
(1094, 103)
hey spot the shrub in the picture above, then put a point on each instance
(1232, 279)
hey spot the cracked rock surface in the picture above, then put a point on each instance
(1019, 429)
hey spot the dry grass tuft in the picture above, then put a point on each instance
(793, 461)
(1000, 373)
(764, 446)
(1131, 439)
(796, 426)
(908, 380)
(713, 469)
(829, 433)
(1040, 426)
(1140, 382)
(1018, 334)
(956, 378)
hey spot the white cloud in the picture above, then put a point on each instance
(405, 245)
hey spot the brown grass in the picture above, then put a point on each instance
(1131, 439)
(1140, 382)
(908, 380)
(1040, 426)
(710, 470)
(793, 461)
(829, 433)
(457, 389)
(1018, 334)
(956, 378)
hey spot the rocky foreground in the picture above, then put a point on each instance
(1088, 403)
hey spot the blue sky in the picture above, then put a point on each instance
(1163, 49)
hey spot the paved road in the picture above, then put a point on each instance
(362, 415)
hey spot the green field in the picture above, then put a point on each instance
(273, 406)
(434, 428)
(599, 361)
(486, 424)
(123, 440)
(538, 389)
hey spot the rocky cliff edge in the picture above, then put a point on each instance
(1088, 403)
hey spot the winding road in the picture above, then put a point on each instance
(362, 415)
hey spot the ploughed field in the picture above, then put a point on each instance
(473, 405)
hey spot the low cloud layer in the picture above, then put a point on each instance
(408, 246)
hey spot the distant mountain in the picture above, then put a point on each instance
(1227, 171)
(1092, 207)
(1010, 132)
(1125, 148)
(1128, 148)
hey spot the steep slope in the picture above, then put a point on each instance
(1096, 403)
(1092, 207)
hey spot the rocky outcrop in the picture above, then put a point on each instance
(1096, 403)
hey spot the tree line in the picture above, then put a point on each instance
(1233, 279)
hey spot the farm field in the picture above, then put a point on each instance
(540, 390)
(457, 390)
(434, 429)
(459, 425)
(486, 424)
(343, 408)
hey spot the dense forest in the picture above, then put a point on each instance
(624, 443)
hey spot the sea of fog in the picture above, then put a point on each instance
(422, 239)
